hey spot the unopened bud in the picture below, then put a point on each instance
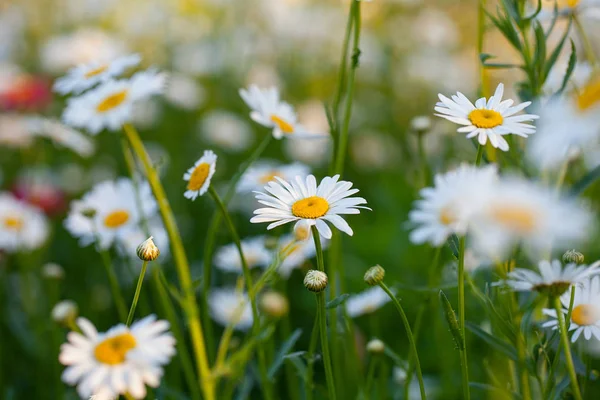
(65, 312)
(374, 275)
(420, 124)
(274, 304)
(573, 256)
(147, 250)
(375, 346)
(53, 271)
(315, 281)
(88, 213)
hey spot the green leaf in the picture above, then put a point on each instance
(513, 12)
(453, 245)
(337, 301)
(283, 351)
(538, 9)
(553, 21)
(585, 182)
(557, 50)
(495, 391)
(297, 360)
(452, 322)
(570, 68)
(539, 60)
(493, 341)
(507, 29)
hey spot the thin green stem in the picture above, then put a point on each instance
(423, 160)
(370, 375)
(181, 262)
(343, 63)
(479, 156)
(410, 336)
(567, 348)
(480, 42)
(310, 358)
(590, 54)
(461, 317)
(114, 285)
(138, 290)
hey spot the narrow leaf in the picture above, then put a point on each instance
(585, 182)
(283, 351)
(495, 391)
(570, 68)
(556, 52)
(452, 322)
(493, 341)
(453, 245)
(337, 301)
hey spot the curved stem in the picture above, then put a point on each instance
(567, 348)
(461, 317)
(181, 262)
(411, 338)
(136, 296)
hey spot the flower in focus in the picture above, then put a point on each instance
(256, 254)
(83, 77)
(262, 172)
(450, 205)
(487, 119)
(366, 302)
(230, 307)
(110, 105)
(198, 177)
(552, 279)
(114, 212)
(22, 226)
(121, 360)
(585, 316)
(303, 201)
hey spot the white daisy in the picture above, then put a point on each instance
(61, 135)
(109, 212)
(491, 119)
(110, 105)
(520, 211)
(199, 176)
(566, 7)
(303, 201)
(83, 77)
(552, 278)
(22, 226)
(262, 172)
(271, 112)
(230, 307)
(585, 316)
(256, 254)
(450, 205)
(366, 302)
(121, 360)
(297, 253)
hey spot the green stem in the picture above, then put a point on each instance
(587, 45)
(480, 40)
(343, 63)
(136, 296)
(411, 338)
(114, 285)
(181, 262)
(461, 317)
(370, 375)
(480, 149)
(423, 159)
(567, 348)
(262, 365)
(310, 355)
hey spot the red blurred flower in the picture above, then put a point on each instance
(25, 92)
(42, 194)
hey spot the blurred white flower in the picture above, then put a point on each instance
(22, 226)
(225, 130)
(314, 152)
(14, 131)
(185, 92)
(435, 28)
(230, 307)
(62, 135)
(198, 177)
(372, 151)
(298, 252)
(263, 171)
(227, 258)
(581, 74)
(366, 302)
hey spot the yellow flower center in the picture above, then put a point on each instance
(116, 218)
(95, 71)
(589, 96)
(284, 126)
(519, 218)
(199, 176)
(112, 101)
(485, 119)
(573, 3)
(13, 223)
(585, 314)
(446, 216)
(113, 351)
(311, 207)
(269, 176)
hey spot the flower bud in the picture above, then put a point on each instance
(375, 346)
(315, 281)
(301, 232)
(274, 304)
(420, 124)
(53, 271)
(573, 256)
(374, 275)
(147, 250)
(65, 312)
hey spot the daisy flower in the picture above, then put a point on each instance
(366, 302)
(198, 177)
(61, 135)
(269, 111)
(256, 254)
(109, 212)
(121, 360)
(297, 253)
(585, 317)
(230, 307)
(262, 172)
(552, 279)
(83, 77)
(110, 105)
(487, 119)
(449, 206)
(303, 201)
(22, 226)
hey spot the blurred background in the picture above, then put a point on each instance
(410, 51)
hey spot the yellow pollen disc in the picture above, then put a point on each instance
(13, 223)
(96, 71)
(199, 176)
(113, 351)
(589, 96)
(585, 314)
(446, 216)
(521, 219)
(573, 3)
(269, 176)
(485, 119)
(311, 207)
(285, 127)
(116, 218)
(112, 101)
